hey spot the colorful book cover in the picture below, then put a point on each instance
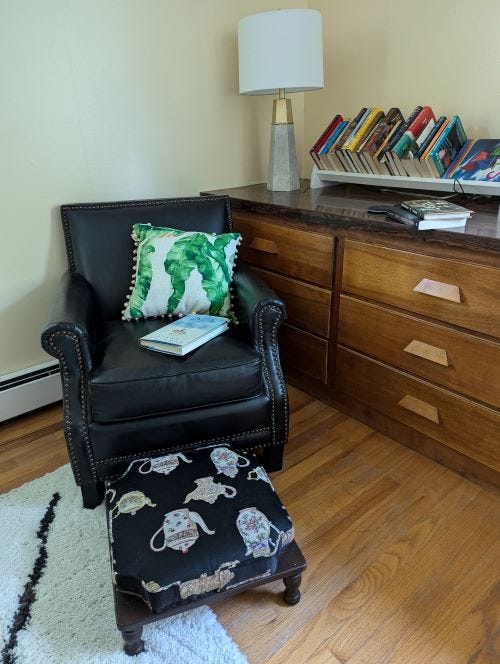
(346, 136)
(322, 140)
(448, 174)
(432, 135)
(413, 131)
(323, 156)
(428, 208)
(448, 145)
(185, 334)
(482, 162)
(332, 157)
(413, 115)
(410, 163)
(364, 129)
(324, 136)
(357, 123)
(382, 130)
(331, 137)
(334, 136)
(429, 164)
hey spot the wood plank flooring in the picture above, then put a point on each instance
(403, 554)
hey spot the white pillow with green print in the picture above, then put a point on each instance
(180, 272)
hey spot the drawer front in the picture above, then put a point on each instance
(303, 351)
(453, 359)
(455, 421)
(289, 251)
(461, 293)
(307, 306)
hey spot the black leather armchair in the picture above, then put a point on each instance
(123, 403)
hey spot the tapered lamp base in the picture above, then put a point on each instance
(283, 173)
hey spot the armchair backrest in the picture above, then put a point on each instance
(99, 245)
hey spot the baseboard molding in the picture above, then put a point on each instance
(29, 389)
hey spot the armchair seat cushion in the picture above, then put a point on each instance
(130, 382)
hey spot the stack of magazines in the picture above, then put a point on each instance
(425, 214)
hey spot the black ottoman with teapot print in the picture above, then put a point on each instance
(185, 525)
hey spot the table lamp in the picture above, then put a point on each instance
(281, 51)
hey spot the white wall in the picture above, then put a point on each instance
(110, 100)
(445, 53)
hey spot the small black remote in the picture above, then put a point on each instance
(379, 209)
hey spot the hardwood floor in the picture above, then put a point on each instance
(403, 554)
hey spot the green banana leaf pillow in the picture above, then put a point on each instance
(180, 272)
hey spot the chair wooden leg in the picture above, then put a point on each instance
(92, 495)
(292, 592)
(272, 458)
(133, 640)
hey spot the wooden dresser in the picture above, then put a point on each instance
(398, 328)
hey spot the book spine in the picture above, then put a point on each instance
(411, 118)
(437, 126)
(421, 121)
(357, 123)
(365, 128)
(323, 156)
(425, 159)
(331, 137)
(324, 136)
(394, 214)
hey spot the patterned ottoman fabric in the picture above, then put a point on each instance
(184, 525)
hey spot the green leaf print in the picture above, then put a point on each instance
(143, 280)
(179, 263)
(215, 271)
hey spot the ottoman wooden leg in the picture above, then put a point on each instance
(133, 640)
(292, 592)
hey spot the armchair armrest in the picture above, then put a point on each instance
(263, 312)
(70, 337)
(72, 318)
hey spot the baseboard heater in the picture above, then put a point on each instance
(28, 389)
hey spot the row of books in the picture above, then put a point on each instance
(419, 146)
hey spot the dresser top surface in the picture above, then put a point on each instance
(347, 204)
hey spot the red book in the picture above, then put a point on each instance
(422, 119)
(326, 134)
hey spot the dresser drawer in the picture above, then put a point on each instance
(307, 306)
(304, 352)
(455, 421)
(295, 253)
(461, 293)
(460, 361)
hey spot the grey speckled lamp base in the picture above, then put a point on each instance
(283, 174)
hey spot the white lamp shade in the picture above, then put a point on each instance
(280, 49)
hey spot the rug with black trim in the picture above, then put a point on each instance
(56, 600)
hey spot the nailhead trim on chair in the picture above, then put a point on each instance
(197, 443)
(274, 345)
(83, 398)
(128, 204)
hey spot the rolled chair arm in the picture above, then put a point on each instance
(70, 337)
(263, 312)
(72, 316)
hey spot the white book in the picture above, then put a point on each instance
(185, 334)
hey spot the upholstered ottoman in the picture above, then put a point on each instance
(187, 528)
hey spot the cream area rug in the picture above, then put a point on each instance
(56, 600)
